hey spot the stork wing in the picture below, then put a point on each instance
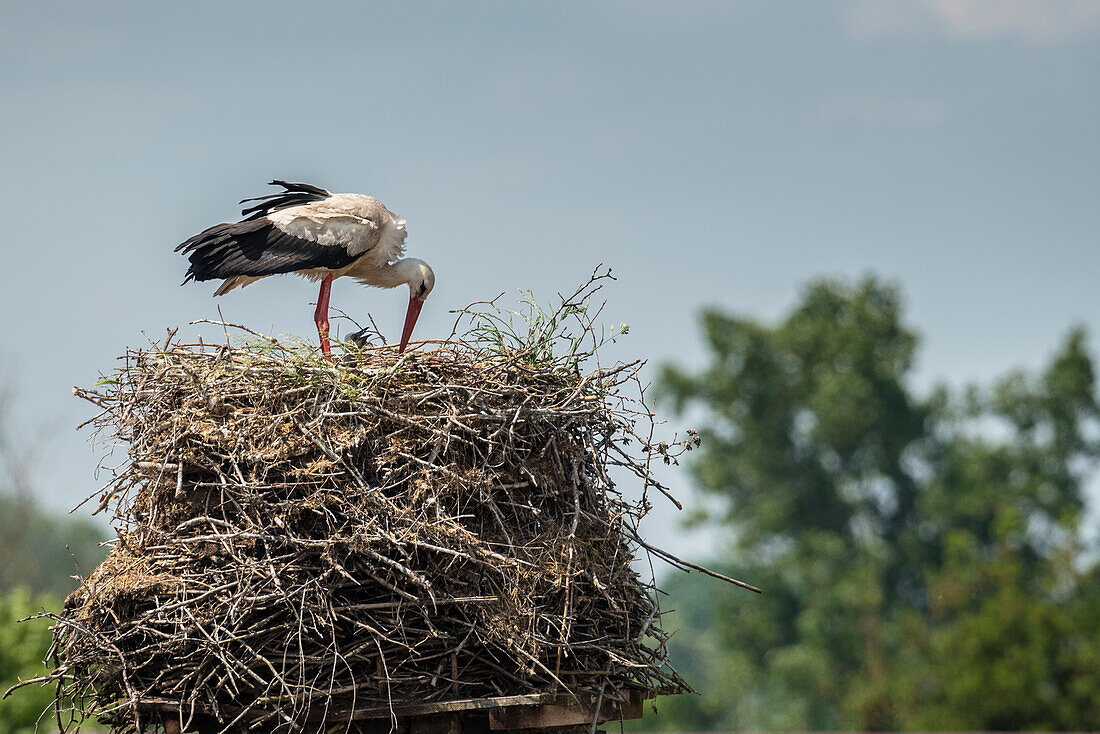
(256, 247)
(301, 228)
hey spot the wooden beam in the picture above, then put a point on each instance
(548, 715)
(538, 710)
(385, 712)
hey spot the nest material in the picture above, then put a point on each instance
(300, 540)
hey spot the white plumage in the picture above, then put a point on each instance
(350, 221)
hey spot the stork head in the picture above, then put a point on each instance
(421, 280)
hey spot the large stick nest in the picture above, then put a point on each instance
(300, 539)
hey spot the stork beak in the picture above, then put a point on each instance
(415, 304)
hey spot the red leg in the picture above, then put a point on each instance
(320, 316)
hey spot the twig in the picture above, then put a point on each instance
(242, 327)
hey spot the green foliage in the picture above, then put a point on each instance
(921, 558)
(23, 646)
(561, 336)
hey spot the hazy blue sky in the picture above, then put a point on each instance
(713, 153)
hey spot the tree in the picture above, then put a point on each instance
(22, 647)
(922, 557)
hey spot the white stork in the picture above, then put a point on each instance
(316, 234)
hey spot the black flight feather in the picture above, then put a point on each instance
(256, 248)
(293, 195)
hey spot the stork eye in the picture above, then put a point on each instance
(423, 287)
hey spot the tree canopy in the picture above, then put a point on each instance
(922, 556)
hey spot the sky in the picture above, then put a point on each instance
(714, 154)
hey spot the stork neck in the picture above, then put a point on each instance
(397, 273)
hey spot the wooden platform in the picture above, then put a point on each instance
(543, 713)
